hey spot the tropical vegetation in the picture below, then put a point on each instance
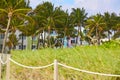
(93, 41)
(47, 18)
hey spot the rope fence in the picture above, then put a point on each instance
(69, 67)
(89, 72)
(30, 67)
(55, 63)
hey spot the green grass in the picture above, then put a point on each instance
(92, 58)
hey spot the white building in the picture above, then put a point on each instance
(26, 41)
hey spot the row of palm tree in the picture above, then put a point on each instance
(46, 18)
(98, 25)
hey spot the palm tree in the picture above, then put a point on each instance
(13, 9)
(107, 19)
(117, 34)
(50, 16)
(95, 26)
(67, 24)
(39, 21)
(116, 27)
(114, 22)
(66, 29)
(79, 16)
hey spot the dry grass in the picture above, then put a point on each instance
(93, 58)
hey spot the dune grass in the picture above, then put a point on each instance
(92, 58)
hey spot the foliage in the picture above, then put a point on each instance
(50, 16)
(79, 17)
(12, 41)
(46, 18)
(13, 9)
(95, 27)
(112, 44)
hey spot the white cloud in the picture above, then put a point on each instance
(67, 6)
(96, 6)
(91, 6)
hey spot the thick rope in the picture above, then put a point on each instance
(89, 72)
(69, 67)
(3, 62)
(30, 67)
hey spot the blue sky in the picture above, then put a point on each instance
(92, 6)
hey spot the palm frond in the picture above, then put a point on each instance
(3, 10)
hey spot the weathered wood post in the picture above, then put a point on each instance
(8, 67)
(55, 70)
(0, 67)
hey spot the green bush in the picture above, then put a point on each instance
(111, 44)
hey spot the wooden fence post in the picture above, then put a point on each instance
(0, 67)
(55, 70)
(8, 68)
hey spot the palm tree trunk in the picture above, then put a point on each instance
(44, 38)
(6, 33)
(32, 43)
(80, 36)
(38, 40)
(78, 39)
(97, 38)
(22, 42)
(49, 43)
(41, 40)
(108, 36)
